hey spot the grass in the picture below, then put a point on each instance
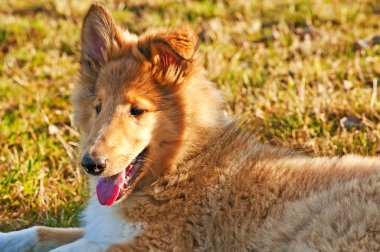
(297, 71)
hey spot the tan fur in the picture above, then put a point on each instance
(210, 186)
(59, 236)
(206, 184)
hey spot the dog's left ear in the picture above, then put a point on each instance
(171, 53)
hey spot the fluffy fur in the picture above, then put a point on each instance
(205, 184)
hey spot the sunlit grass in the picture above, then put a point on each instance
(293, 70)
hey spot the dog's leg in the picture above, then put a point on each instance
(38, 238)
(83, 244)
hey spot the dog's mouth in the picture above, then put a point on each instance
(112, 189)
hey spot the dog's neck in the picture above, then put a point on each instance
(204, 117)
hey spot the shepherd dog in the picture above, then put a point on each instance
(170, 171)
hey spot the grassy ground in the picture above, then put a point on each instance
(304, 73)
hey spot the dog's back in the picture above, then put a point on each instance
(262, 199)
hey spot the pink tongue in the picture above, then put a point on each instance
(108, 188)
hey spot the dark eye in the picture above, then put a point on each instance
(98, 108)
(136, 111)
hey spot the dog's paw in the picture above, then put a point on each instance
(22, 240)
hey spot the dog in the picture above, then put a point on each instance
(169, 171)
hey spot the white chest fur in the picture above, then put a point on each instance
(103, 227)
(105, 224)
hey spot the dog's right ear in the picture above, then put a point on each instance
(100, 37)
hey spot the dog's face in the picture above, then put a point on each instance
(126, 104)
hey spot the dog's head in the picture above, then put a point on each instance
(133, 104)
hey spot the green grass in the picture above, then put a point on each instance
(291, 69)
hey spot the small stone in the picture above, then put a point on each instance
(375, 40)
(361, 44)
(351, 122)
(53, 130)
(347, 84)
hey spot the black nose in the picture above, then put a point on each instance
(91, 165)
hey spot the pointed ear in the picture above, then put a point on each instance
(100, 35)
(170, 52)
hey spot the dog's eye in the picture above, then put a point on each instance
(136, 111)
(98, 108)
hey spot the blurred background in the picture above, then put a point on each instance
(300, 73)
